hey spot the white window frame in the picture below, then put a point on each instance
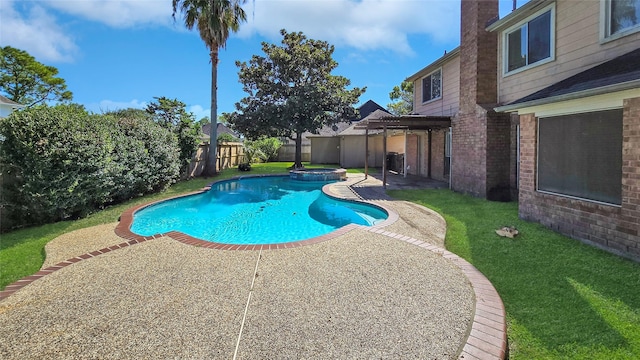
(422, 86)
(552, 41)
(605, 24)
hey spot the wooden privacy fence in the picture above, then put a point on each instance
(230, 154)
(287, 152)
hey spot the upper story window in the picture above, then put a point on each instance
(622, 15)
(432, 86)
(530, 42)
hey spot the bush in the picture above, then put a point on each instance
(226, 137)
(269, 147)
(61, 162)
(146, 158)
(262, 150)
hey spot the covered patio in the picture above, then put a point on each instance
(406, 124)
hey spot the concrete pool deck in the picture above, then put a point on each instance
(389, 292)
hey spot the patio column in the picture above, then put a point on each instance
(366, 152)
(404, 158)
(384, 157)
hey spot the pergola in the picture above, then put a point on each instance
(404, 123)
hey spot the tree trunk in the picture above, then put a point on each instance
(212, 158)
(298, 161)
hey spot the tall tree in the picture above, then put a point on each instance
(172, 114)
(402, 99)
(29, 82)
(214, 19)
(291, 91)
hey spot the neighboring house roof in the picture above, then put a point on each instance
(328, 131)
(222, 128)
(5, 101)
(367, 108)
(351, 130)
(618, 74)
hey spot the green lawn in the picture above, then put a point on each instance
(22, 251)
(564, 299)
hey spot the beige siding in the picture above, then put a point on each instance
(325, 150)
(447, 105)
(352, 151)
(578, 48)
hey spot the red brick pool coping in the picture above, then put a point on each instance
(487, 337)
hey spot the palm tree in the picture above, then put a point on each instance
(214, 20)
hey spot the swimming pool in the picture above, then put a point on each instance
(258, 210)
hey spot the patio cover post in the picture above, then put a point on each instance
(404, 158)
(384, 157)
(366, 153)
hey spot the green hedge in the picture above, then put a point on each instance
(62, 162)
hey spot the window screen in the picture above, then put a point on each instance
(581, 155)
(432, 86)
(530, 43)
(624, 14)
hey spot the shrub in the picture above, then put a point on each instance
(252, 153)
(146, 158)
(226, 137)
(62, 162)
(269, 147)
(53, 158)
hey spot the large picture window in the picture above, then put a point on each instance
(529, 43)
(581, 155)
(622, 15)
(432, 86)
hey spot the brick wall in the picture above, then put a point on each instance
(412, 156)
(614, 228)
(480, 138)
(513, 153)
(437, 157)
(468, 154)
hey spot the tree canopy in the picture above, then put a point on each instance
(172, 114)
(402, 99)
(29, 82)
(292, 91)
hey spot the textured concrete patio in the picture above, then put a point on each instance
(389, 292)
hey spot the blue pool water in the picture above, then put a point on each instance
(265, 210)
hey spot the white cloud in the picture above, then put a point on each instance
(110, 105)
(36, 32)
(118, 13)
(364, 25)
(356, 24)
(199, 111)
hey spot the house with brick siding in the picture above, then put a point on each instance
(545, 108)
(568, 72)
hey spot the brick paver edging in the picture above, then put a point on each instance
(12, 288)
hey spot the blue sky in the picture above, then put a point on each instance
(122, 53)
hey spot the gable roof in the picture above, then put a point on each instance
(4, 100)
(221, 129)
(367, 108)
(618, 74)
(351, 130)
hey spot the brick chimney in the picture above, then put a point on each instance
(480, 137)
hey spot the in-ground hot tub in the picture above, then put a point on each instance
(318, 174)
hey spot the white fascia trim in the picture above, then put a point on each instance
(619, 91)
